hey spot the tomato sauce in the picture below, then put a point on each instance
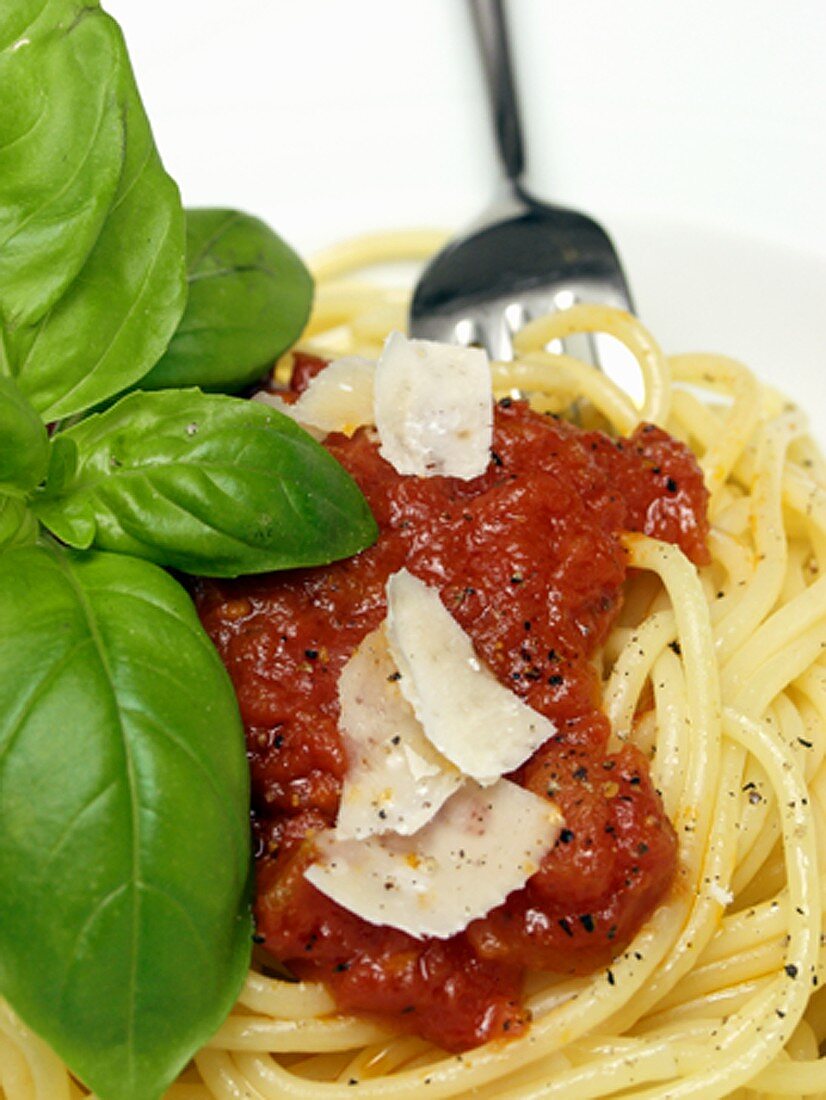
(527, 558)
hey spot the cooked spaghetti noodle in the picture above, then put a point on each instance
(719, 675)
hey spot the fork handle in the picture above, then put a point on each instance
(491, 30)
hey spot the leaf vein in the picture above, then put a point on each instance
(220, 795)
(82, 933)
(36, 694)
(233, 217)
(100, 649)
(70, 180)
(165, 495)
(136, 303)
(206, 951)
(194, 628)
(52, 853)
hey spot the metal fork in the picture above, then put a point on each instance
(522, 258)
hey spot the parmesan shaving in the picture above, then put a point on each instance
(482, 727)
(276, 401)
(396, 780)
(434, 408)
(481, 846)
(337, 399)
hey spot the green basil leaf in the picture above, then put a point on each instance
(63, 459)
(16, 19)
(124, 842)
(24, 443)
(22, 18)
(207, 484)
(115, 319)
(249, 298)
(61, 136)
(18, 524)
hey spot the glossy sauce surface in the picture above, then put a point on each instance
(527, 558)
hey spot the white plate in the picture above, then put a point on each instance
(701, 289)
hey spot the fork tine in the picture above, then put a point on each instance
(497, 336)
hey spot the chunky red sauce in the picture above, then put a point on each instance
(527, 558)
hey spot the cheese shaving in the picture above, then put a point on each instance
(434, 408)
(337, 399)
(396, 780)
(483, 844)
(482, 727)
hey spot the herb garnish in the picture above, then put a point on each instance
(124, 851)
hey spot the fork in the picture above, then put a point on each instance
(522, 258)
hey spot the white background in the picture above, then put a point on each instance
(695, 131)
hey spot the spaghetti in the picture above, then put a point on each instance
(719, 675)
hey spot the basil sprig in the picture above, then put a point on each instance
(124, 852)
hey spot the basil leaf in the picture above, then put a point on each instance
(18, 524)
(62, 463)
(208, 484)
(61, 134)
(116, 317)
(24, 444)
(249, 298)
(124, 929)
